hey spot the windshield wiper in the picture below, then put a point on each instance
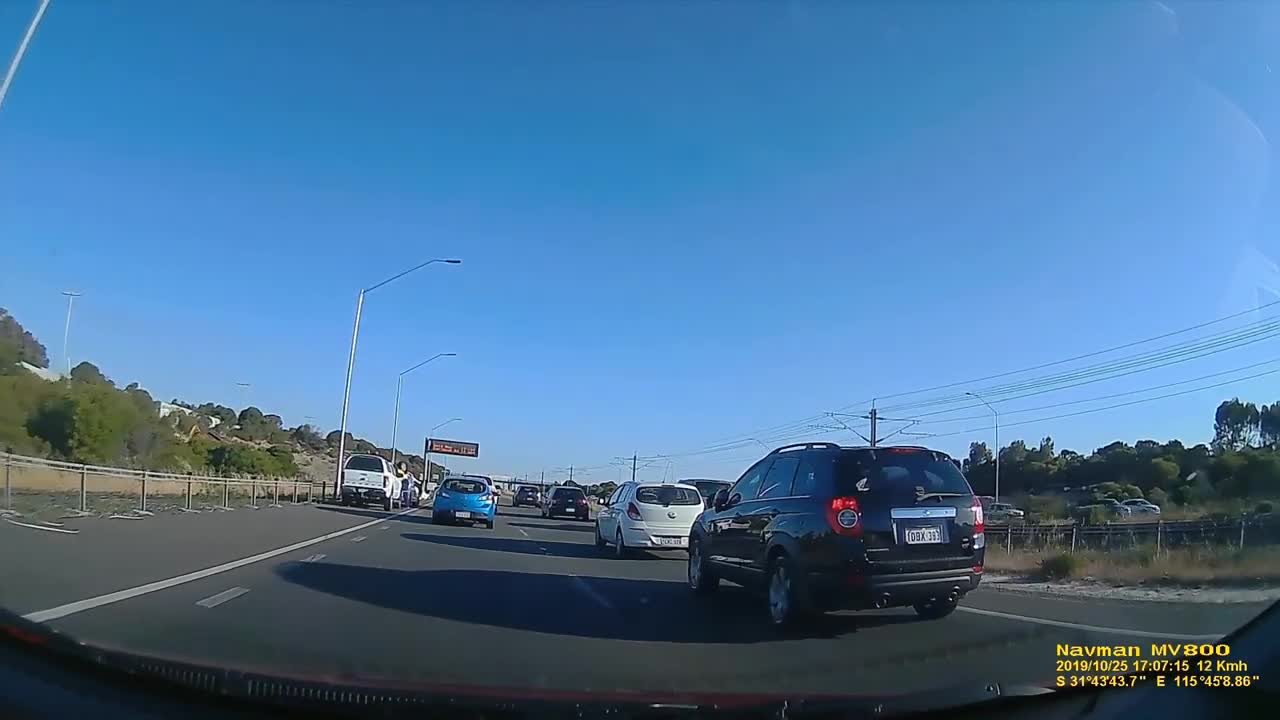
(938, 495)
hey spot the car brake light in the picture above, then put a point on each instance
(978, 524)
(633, 512)
(844, 516)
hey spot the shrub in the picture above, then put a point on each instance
(1060, 566)
(1263, 508)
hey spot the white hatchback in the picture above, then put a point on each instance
(648, 515)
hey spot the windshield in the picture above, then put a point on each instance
(364, 462)
(668, 495)
(974, 305)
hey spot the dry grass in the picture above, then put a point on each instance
(1217, 566)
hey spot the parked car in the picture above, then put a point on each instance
(566, 501)
(823, 527)
(370, 480)
(648, 515)
(1109, 507)
(1003, 513)
(527, 495)
(1138, 506)
(707, 488)
(467, 499)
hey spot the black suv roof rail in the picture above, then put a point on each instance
(806, 446)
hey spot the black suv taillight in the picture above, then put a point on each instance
(844, 516)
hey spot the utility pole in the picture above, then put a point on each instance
(874, 417)
(570, 473)
(633, 468)
(542, 481)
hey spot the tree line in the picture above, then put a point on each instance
(1241, 462)
(86, 418)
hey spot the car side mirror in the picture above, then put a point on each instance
(721, 499)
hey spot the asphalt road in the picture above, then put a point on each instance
(330, 591)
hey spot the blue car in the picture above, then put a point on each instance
(464, 499)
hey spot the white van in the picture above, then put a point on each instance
(370, 480)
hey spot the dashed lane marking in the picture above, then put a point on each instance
(359, 538)
(46, 528)
(89, 603)
(225, 595)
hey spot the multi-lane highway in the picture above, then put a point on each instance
(333, 592)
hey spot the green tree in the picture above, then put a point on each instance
(1235, 425)
(87, 372)
(27, 348)
(1164, 473)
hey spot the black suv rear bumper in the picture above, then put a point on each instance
(861, 592)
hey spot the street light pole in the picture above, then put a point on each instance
(395, 423)
(66, 331)
(351, 364)
(996, 415)
(22, 50)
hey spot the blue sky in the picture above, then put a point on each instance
(680, 222)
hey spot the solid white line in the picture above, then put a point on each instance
(41, 527)
(89, 603)
(359, 538)
(592, 592)
(124, 517)
(225, 595)
(1089, 628)
(52, 524)
(522, 532)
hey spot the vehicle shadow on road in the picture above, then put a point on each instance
(511, 545)
(423, 517)
(581, 606)
(578, 527)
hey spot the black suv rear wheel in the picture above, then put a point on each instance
(935, 609)
(785, 594)
(702, 580)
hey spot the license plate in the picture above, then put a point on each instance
(462, 514)
(923, 535)
(670, 541)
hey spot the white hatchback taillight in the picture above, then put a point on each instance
(633, 512)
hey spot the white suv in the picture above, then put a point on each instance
(648, 515)
(370, 480)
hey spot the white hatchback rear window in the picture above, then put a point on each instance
(668, 495)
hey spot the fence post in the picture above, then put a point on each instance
(253, 493)
(1159, 532)
(8, 492)
(226, 494)
(188, 492)
(142, 502)
(276, 489)
(84, 488)
(1074, 528)
(1008, 540)
(1242, 531)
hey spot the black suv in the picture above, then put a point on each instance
(824, 527)
(527, 495)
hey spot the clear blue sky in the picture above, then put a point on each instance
(680, 221)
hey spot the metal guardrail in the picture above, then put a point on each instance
(39, 477)
(1249, 529)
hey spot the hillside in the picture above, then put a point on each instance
(86, 418)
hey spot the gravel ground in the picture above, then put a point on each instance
(1090, 589)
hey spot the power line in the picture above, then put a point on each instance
(1092, 399)
(984, 428)
(1159, 358)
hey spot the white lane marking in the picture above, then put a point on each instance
(522, 532)
(46, 528)
(1089, 628)
(314, 558)
(52, 524)
(385, 527)
(359, 538)
(89, 603)
(225, 595)
(124, 517)
(592, 592)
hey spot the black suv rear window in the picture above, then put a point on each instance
(709, 488)
(897, 471)
(668, 495)
(364, 462)
(568, 494)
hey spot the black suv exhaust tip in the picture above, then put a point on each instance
(882, 602)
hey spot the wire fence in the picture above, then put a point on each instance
(35, 484)
(1242, 531)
